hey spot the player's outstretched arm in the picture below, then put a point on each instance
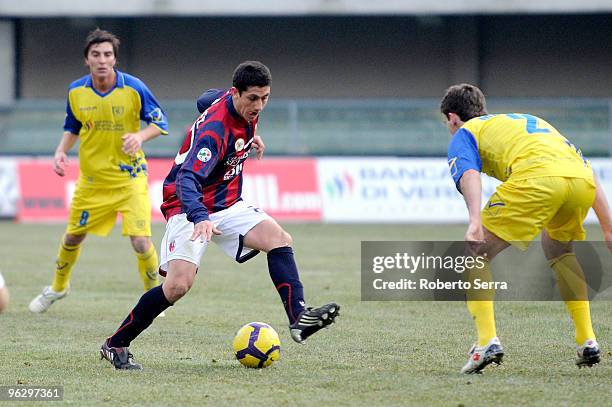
(471, 188)
(60, 159)
(602, 210)
(132, 142)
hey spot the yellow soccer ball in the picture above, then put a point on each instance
(257, 345)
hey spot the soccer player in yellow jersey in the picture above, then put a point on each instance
(547, 186)
(103, 112)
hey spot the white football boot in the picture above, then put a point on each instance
(43, 301)
(588, 354)
(481, 357)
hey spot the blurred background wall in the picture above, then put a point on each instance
(351, 78)
(332, 56)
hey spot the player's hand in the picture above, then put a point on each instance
(259, 146)
(131, 143)
(60, 161)
(475, 233)
(474, 236)
(204, 230)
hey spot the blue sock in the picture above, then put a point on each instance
(284, 274)
(150, 305)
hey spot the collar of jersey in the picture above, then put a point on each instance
(119, 83)
(233, 111)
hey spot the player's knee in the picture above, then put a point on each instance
(280, 239)
(73, 240)
(286, 239)
(175, 290)
(140, 243)
(554, 248)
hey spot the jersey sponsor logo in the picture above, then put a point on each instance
(232, 172)
(239, 145)
(105, 125)
(204, 155)
(87, 108)
(237, 159)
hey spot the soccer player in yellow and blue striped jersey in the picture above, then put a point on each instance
(103, 113)
(547, 186)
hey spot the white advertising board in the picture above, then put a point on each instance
(410, 190)
(9, 190)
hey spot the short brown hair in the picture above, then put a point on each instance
(465, 100)
(251, 73)
(98, 36)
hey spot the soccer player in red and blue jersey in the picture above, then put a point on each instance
(203, 202)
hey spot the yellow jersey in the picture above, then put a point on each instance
(517, 146)
(100, 121)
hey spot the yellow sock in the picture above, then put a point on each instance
(148, 267)
(573, 289)
(480, 305)
(66, 259)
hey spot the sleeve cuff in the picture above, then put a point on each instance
(198, 215)
(162, 131)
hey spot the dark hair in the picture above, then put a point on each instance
(251, 73)
(98, 36)
(465, 100)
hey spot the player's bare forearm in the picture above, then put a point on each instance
(60, 158)
(67, 142)
(602, 210)
(471, 187)
(149, 133)
(132, 142)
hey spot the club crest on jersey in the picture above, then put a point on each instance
(239, 144)
(118, 110)
(204, 155)
(156, 115)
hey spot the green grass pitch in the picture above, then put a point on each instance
(379, 353)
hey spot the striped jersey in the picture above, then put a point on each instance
(207, 173)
